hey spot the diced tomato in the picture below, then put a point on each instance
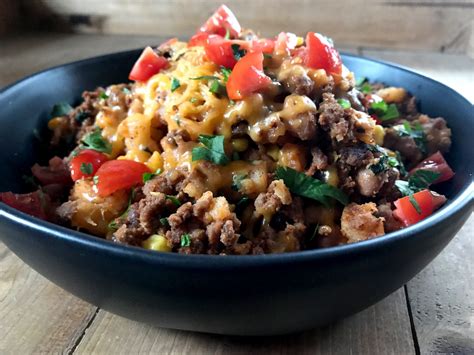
(264, 45)
(147, 65)
(86, 159)
(116, 175)
(427, 200)
(438, 164)
(219, 51)
(56, 172)
(247, 77)
(321, 54)
(199, 39)
(221, 21)
(34, 203)
(285, 42)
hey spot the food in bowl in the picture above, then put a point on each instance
(235, 144)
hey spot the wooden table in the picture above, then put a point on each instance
(433, 313)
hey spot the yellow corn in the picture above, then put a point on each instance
(379, 134)
(155, 162)
(274, 152)
(240, 144)
(332, 178)
(156, 242)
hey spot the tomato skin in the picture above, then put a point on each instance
(320, 54)
(116, 175)
(221, 21)
(86, 156)
(285, 43)
(428, 202)
(148, 64)
(199, 39)
(247, 77)
(219, 51)
(438, 164)
(264, 45)
(55, 173)
(35, 204)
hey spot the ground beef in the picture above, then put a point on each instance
(332, 118)
(319, 161)
(303, 126)
(299, 83)
(391, 224)
(268, 203)
(438, 134)
(405, 145)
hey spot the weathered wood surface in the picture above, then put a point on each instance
(35, 315)
(437, 25)
(381, 329)
(38, 317)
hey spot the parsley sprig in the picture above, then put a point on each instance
(95, 141)
(419, 180)
(414, 131)
(212, 150)
(384, 111)
(304, 185)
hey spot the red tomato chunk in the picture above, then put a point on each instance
(116, 175)
(86, 163)
(147, 65)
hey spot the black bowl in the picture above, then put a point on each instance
(244, 295)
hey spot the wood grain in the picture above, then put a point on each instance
(381, 329)
(429, 25)
(442, 298)
(35, 315)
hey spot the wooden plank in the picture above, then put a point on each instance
(381, 329)
(35, 315)
(434, 25)
(442, 298)
(454, 70)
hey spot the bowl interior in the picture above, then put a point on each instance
(27, 104)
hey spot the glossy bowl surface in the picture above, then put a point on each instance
(240, 295)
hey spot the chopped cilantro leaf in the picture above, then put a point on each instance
(185, 240)
(205, 77)
(103, 95)
(175, 84)
(225, 73)
(149, 176)
(95, 141)
(360, 80)
(366, 88)
(95, 179)
(238, 53)
(212, 150)
(164, 222)
(419, 180)
(390, 113)
(61, 109)
(81, 116)
(344, 103)
(304, 185)
(415, 131)
(173, 199)
(379, 107)
(193, 100)
(217, 88)
(86, 168)
(415, 204)
(380, 166)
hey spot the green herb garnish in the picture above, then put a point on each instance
(185, 240)
(205, 77)
(212, 150)
(418, 181)
(61, 109)
(103, 95)
(173, 199)
(193, 100)
(95, 179)
(238, 53)
(227, 33)
(149, 176)
(217, 88)
(225, 73)
(95, 141)
(304, 185)
(415, 204)
(383, 111)
(414, 131)
(175, 84)
(164, 222)
(344, 103)
(86, 168)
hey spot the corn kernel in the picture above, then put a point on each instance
(332, 178)
(274, 152)
(379, 134)
(155, 162)
(240, 144)
(156, 242)
(299, 41)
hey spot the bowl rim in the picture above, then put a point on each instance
(463, 199)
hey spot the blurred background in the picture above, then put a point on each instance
(432, 36)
